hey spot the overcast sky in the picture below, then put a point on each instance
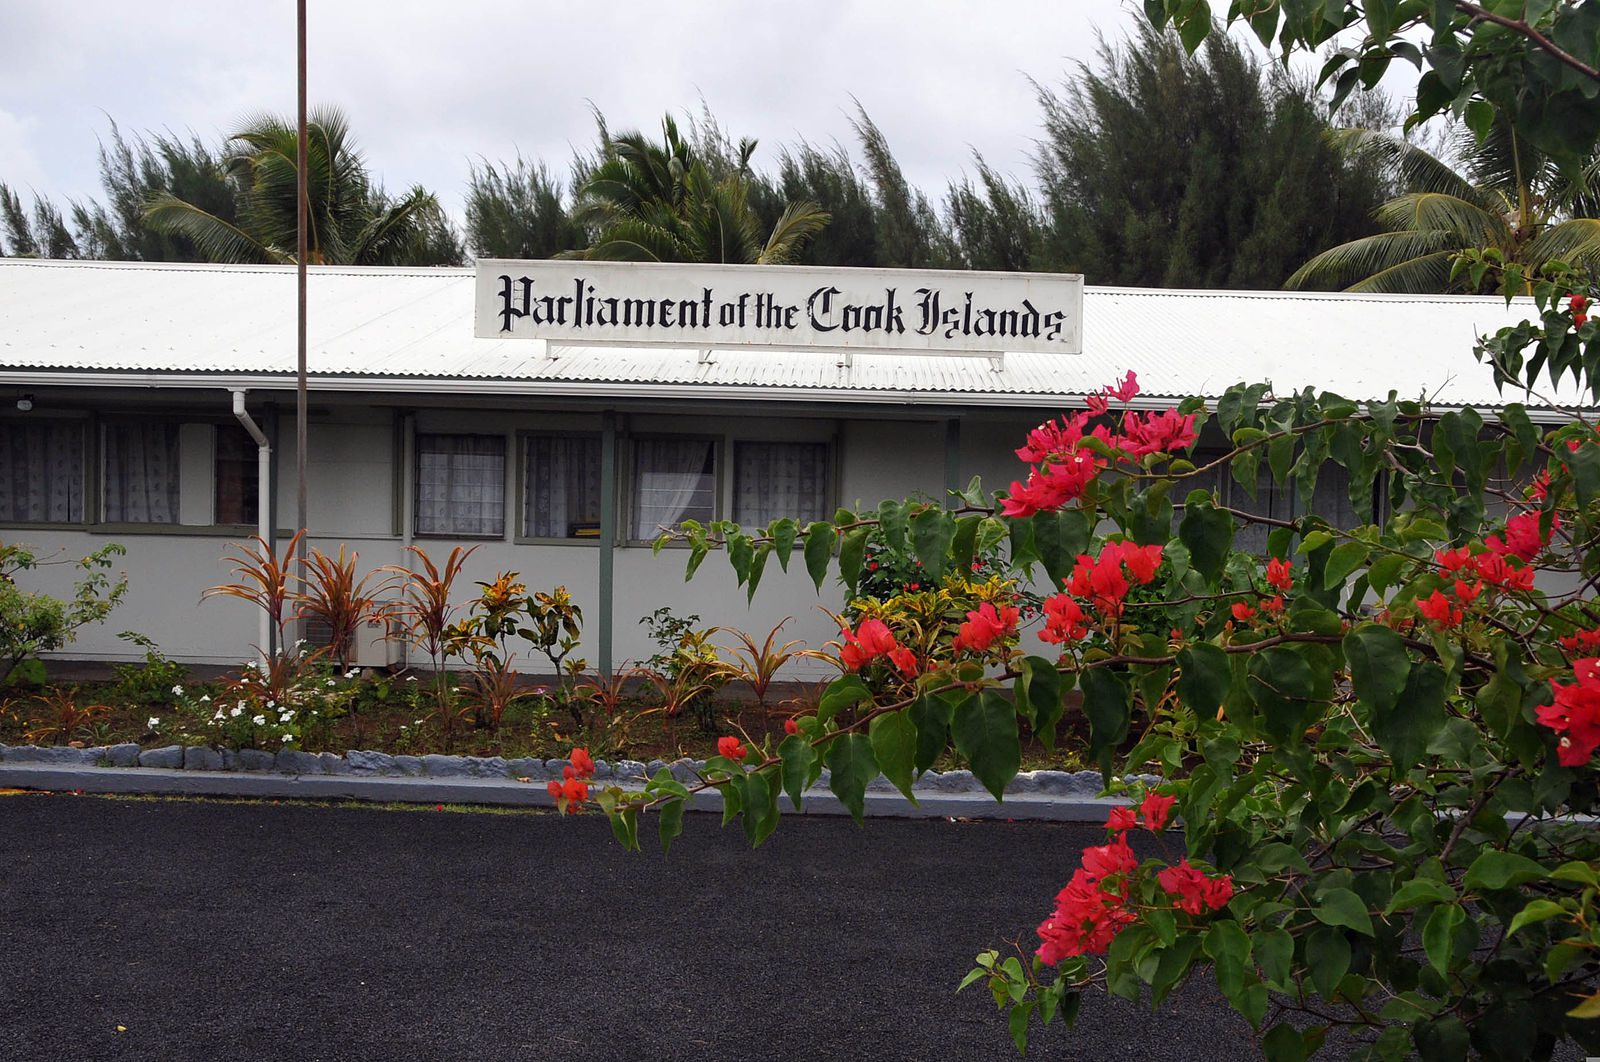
(432, 86)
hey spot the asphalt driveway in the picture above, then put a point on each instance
(212, 931)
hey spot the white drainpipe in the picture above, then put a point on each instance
(263, 496)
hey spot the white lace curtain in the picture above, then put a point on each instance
(675, 481)
(461, 485)
(141, 473)
(41, 472)
(562, 494)
(775, 479)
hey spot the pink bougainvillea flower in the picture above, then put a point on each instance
(1064, 620)
(1439, 611)
(582, 763)
(1243, 611)
(1165, 432)
(1156, 808)
(1122, 819)
(984, 626)
(905, 661)
(1126, 389)
(1523, 539)
(791, 727)
(1280, 573)
(1575, 713)
(866, 643)
(731, 747)
(1194, 890)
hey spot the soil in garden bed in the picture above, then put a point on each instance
(86, 706)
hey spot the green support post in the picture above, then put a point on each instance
(608, 534)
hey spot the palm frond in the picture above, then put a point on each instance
(799, 222)
(1467, 223)
(1347, 264)
(1415, 276)
(1576, 242)
(1418, 170)
(216, 239)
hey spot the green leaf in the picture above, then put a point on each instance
(1501, 870)
(757, 566)
(894, 745)
(1442, 1039)
(851, 766)
(964, 545)
(1274, 952)
(1041, 693)
(760, 805)
(1536, 911)
(931, 716)
(671, 823)
(1439, 935)
(1585, 465)
(1106, 703)
(799, 761)
(741, 551)
(782, 531)
(819, 548)
(852, 550)
(1346, 558)
(1203, 678)
(1419, 891)
(1342, 907)
(1378, 664)
(985, 730)
(1281, 686)
(1227, 942)
(1018, 1024)
(625, 828)
(842, 692)
(1058, 538)
(1208, 534)
(1404, 730)
(932, 532)
(1284, 1043)
(1327, 959)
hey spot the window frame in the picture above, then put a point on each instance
(87, 479)
(630, 477)
(831, 470)
(522, 538)
(416, 489)
(97, 522)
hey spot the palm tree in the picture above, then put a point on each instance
(350, 220)
(1505, 197)
(649, 202)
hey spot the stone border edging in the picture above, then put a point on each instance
(434, 779)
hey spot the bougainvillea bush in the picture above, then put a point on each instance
(1379, 740)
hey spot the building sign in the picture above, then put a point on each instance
(924, 311)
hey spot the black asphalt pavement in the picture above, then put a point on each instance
(212, 931)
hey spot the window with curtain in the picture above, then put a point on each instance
(1330, 500)
(561, 486)
(461, 485)
(141, 473)
(237, 474)
(41, 471)
(673, 480)
(776, 479)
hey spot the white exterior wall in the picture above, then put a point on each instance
(359, 492)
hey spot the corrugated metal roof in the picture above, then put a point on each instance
(375, 325)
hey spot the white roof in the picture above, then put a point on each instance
(391, 329)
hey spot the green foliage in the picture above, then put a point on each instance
(157, 682)
(32, 623)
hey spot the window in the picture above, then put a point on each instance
(1330, 500)
(561, 486)
(237, 474)
(776, 479)
(141, 473)
(675, 480)
(41, 472)
(461, 485)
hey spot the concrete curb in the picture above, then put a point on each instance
(507, 792)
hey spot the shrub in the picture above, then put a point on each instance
(32, 623)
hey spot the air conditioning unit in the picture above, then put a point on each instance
(379, 642)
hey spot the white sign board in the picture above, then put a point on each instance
(924, 311)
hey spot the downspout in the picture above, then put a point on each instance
(263, 499)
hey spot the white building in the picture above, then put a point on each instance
(117, 384)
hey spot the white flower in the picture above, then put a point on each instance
(331, 682)
(259, 720)
(250, 664)
(237, 710)
(218, 715)
(271, 703)
(286, 738)
(352, 673)
(411, 678)
(153, 722)
(177, 691)
(205, 698)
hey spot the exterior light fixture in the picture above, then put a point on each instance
(25, 403)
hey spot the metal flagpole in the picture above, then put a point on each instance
(301, 251)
